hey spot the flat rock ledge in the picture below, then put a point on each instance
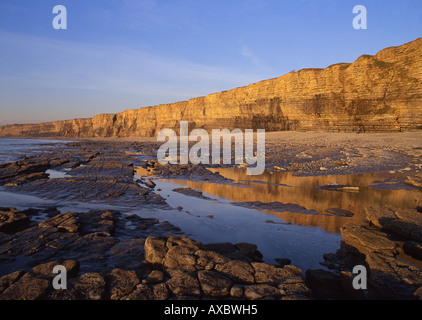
(179, 268)
(385, 245)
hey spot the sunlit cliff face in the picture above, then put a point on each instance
(373, 94)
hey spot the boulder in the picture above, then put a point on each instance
(141, 292)
(239, 271)
(405, 222)
(179, 255)
(160, 291)
(155, 277)
(261, 291)
(45, 270)
(183, 281)
(11, 220)
(28, 287)
(155, 249)
(413, 249)
(121, 283)
(237, 291)
(91, 286)
(7, 280)
(214, 284)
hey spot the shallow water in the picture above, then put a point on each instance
(303, 233)
(294, 233)
(217, 220)
(16, 149)
(286, 188)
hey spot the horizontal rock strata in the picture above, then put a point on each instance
(373, 94)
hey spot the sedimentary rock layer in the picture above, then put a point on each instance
(373, 94)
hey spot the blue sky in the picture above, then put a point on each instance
(126, 54)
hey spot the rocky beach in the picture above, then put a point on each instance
(99, 208)
(340, 191)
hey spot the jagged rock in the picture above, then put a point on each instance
(24, 171)
(150, 184)
(418, 294)
(239, 271)
(155, 250)
(66, 221)
(160, 291)
(214, 284)
(388, 277)
(155, 277)
(7, 280)
(249, 250)
(128, 254)
(406, 222)
(295, 290)
(28, 287)
(183, 281)
(45, 270)
(91, 286)
(261, 291)
(237, 291)
(12, 220)
(413, 249)
(183, 241)
(205, 274)
(121, 283)
(141, 292)
(210, 258)
(367, 240)
(340, 212)
(266, 273)
(179, 255)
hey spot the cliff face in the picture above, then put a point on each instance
(373, 94)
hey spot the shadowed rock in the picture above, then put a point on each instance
(12, 220)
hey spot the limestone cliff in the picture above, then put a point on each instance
(373, 94)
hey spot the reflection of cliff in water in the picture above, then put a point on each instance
(286, 188)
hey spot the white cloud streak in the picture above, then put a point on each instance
(51, 63)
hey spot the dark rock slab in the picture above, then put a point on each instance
(413, 249)
(339, 212)
(28, 287)
(121, 283)
(12, 220)
(406, 222)
(214, 284)
(239, 271)
(261, 291)
(183, 281)
(91, 286)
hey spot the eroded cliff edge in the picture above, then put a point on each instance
(373, 94)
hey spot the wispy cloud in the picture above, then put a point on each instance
(247, 53)
(60, 64)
